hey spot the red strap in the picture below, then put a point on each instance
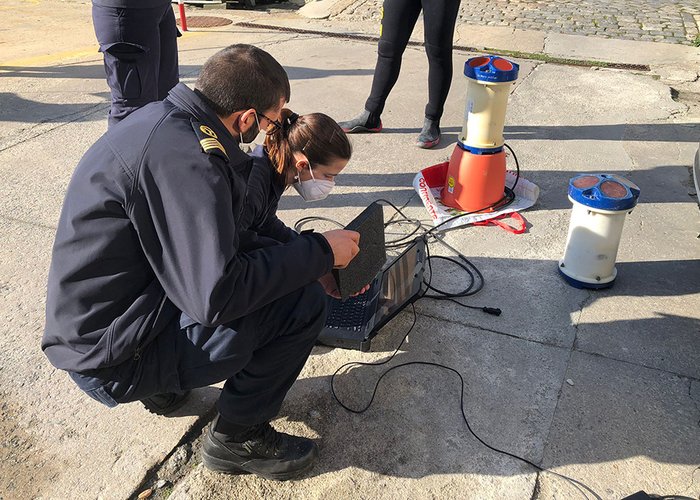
(519, 228)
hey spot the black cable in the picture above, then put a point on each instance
(305, 220)
(507, 198)
(475, 285)
(574, 482)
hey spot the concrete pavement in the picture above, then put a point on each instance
(601, 386)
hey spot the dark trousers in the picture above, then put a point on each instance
(398, 20)
(140, 55)
(260, 356)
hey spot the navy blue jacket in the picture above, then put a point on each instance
(263, 192)
(151, 227)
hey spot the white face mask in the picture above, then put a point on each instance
(312, 189)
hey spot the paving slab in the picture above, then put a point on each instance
(412, 441)
(619, 51)
(57, 443)
(500, 37)
(621, 428)
(651, 316)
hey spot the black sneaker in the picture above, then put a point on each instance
(261, 450)
(430, 135)
(168, 402)
(364, 122)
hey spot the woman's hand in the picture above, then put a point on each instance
(329, 285)
(345, 245)
(364, 289)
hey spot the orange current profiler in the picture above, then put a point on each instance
(474, 182)
(477, 170)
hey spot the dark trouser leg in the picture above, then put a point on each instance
(130, 40)
(260, 356)
(168, 74)
(398, 20)
(439, 17)
(286, 331)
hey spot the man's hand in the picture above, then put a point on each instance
(344, 244)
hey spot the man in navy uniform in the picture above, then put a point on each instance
(138, 40)
(149, 295)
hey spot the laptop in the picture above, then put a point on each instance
(372, 257)
(351, 324)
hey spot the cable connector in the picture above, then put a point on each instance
(495, 311)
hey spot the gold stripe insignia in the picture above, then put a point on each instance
(208, 140)
(209, 144)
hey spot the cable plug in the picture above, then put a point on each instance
(495, 311)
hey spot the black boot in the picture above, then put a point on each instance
(364, 122)
(168, 402)
(260, 450)
(430, 135)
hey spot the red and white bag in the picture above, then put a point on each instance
(430, 181)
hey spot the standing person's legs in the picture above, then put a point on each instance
(398, 20)
(130, 42)
(439, 17)
(168, 69)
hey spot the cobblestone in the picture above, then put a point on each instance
(667, 21)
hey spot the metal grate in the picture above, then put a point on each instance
(205, 21)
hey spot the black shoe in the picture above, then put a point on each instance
(430, 135)
(168, 402)
(260, 450)
(364, 122)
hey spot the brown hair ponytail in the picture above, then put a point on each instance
(315, 135)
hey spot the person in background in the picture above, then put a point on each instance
(398, 20)
(138, 40)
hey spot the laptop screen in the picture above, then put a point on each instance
(399, 283)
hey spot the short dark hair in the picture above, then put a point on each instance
(242, 77)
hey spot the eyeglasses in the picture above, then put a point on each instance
(273, 126)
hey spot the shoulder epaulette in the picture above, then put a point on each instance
(209, 140)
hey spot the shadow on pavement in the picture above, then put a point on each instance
(661, 184)
(14, 108)
(78, 71)
(657, 132)
(298, 73)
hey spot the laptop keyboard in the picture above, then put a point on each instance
(348, 315)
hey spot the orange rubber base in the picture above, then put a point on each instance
(474, 182)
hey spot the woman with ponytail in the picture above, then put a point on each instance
(303, 151)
